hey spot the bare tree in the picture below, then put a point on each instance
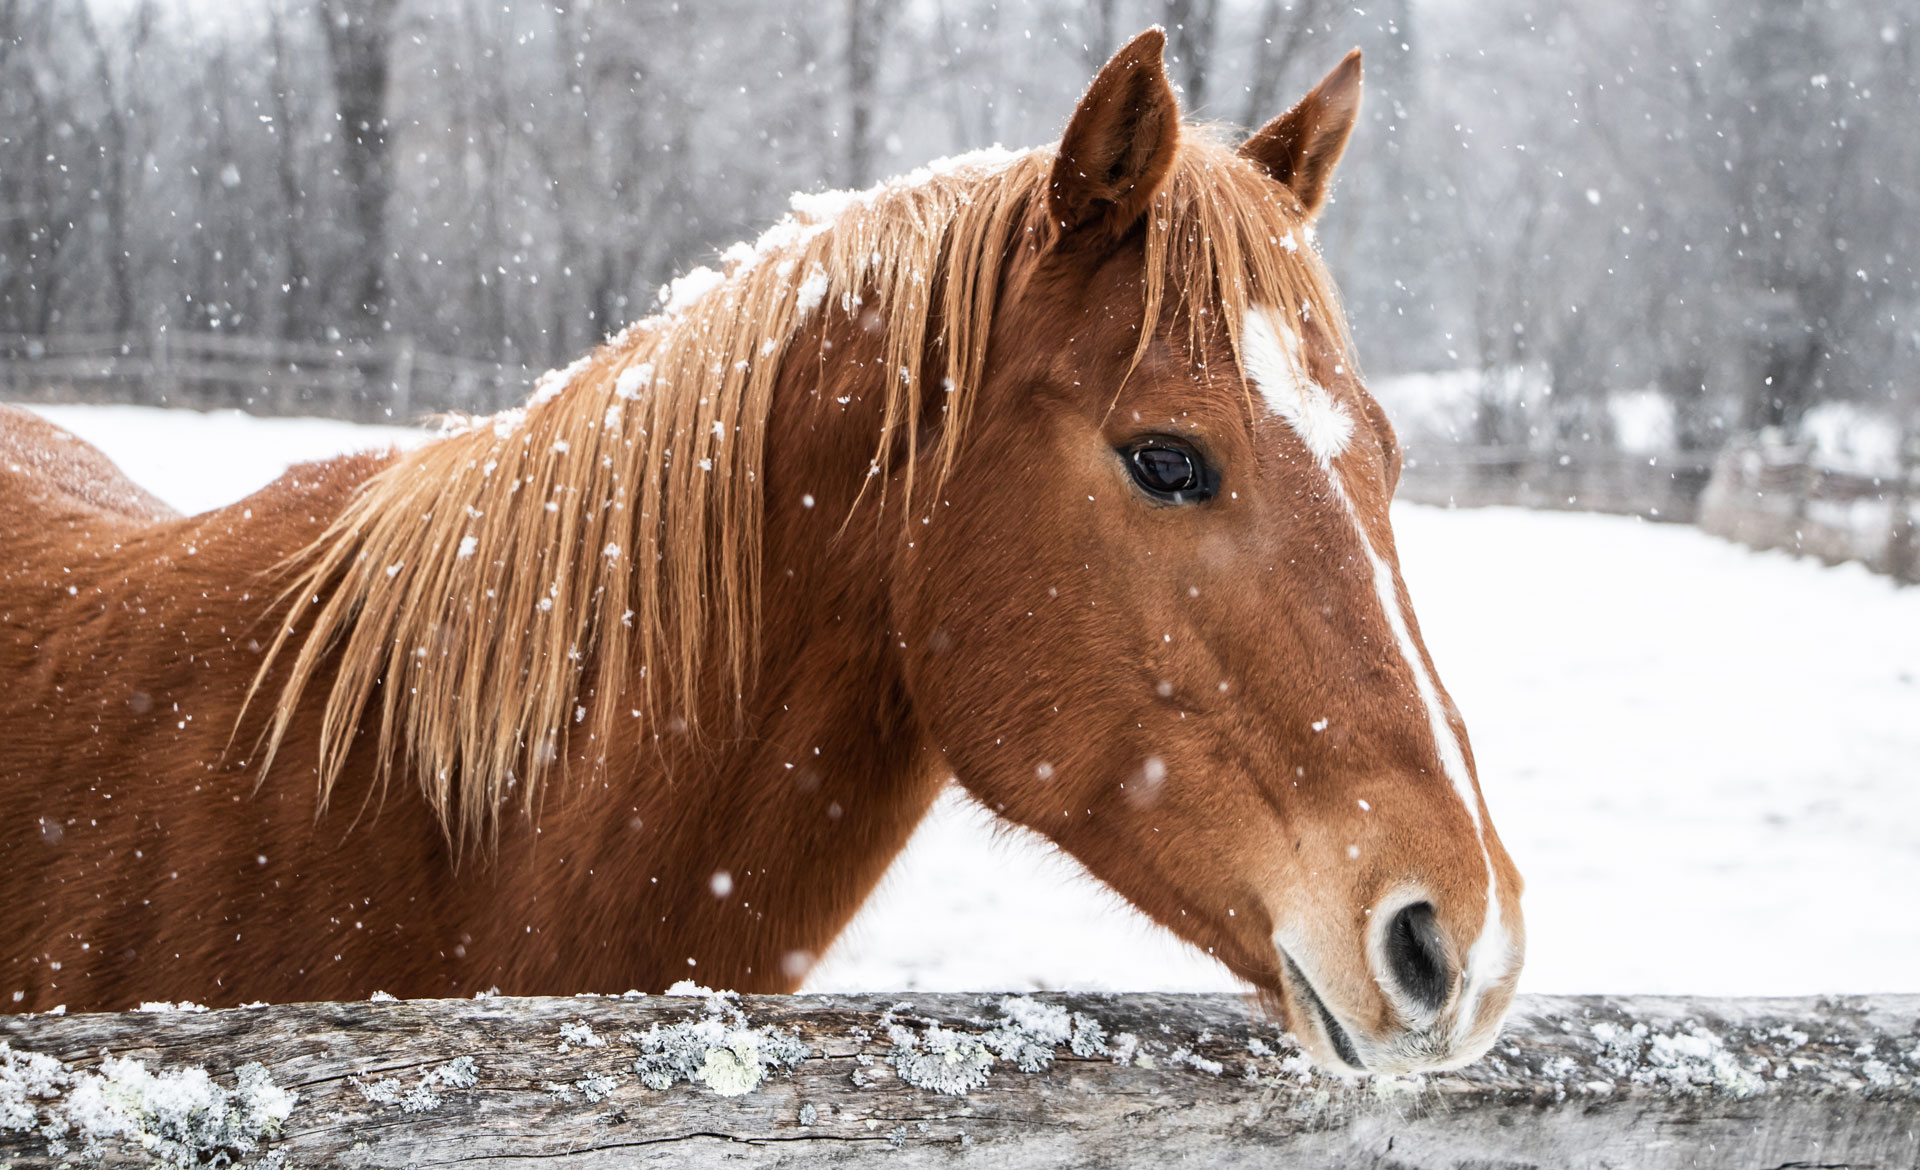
(1277, 39)
(359, 52)
(1190, 29)
(867, 25)
(1102, 33)
(118, 158)
(296, 320)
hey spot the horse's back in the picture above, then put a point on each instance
(129, 636)
(48, 473)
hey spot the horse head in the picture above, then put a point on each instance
(1157, 616)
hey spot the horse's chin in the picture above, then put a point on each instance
(1289, 996)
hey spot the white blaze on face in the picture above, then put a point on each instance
(1270, 354)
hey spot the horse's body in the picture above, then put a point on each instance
(654, 679)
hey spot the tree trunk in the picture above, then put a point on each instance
(359, 52)
(1097, 20)
(295, 313)
(1190, 45)
(116, 195)
(866, 29)
(1276, 42)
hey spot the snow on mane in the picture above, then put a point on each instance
(810, 214)
(823, 207)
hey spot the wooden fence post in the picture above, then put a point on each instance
(166, 388)
(1903, 546)
(402, 381)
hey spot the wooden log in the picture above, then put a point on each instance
(1055, 1080)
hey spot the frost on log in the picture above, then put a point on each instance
(1011, 1081)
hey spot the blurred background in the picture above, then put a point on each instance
(1650, 259)
(1617, 240)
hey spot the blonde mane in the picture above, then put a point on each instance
(591, 553)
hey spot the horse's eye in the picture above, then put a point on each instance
(1170, 471)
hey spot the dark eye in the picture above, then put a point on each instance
(1169, 470)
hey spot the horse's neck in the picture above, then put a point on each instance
(745, 844)
(747, 851)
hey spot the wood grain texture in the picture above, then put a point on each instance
(1162, 1081)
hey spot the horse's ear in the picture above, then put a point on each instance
(1301, 147)
(1119, 144)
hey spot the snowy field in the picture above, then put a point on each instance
(1706, 761)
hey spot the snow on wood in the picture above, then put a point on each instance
(1010, 1081)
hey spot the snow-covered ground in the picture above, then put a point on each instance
(197, 460)
(1705, 760)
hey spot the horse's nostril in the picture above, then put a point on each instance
(1416, 957)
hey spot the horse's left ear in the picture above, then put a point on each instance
(1302, 146)
(1119, 144)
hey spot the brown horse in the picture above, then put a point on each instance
(1051, 472)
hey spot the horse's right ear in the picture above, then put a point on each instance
(1118, 146)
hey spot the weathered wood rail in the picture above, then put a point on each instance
(1665, 487)
(1055, 1080)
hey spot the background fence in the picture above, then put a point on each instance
(1769, 494)
(1661, 487)
(393, 381)
(399, 382)
(1758, 490)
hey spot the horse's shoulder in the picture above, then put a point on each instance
(47, 466)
